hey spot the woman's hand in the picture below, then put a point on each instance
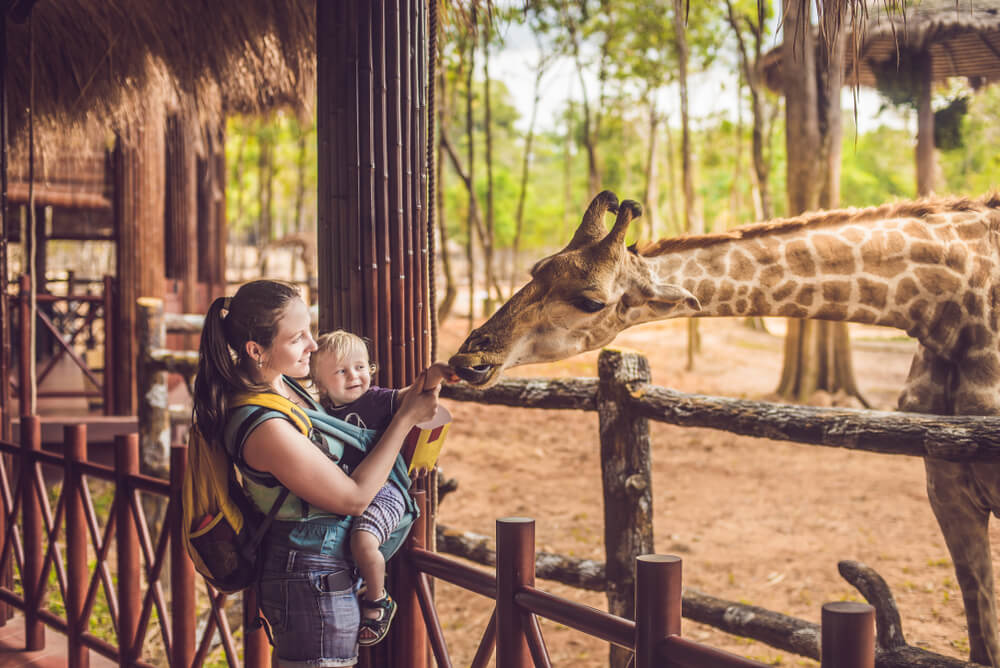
(419, 406)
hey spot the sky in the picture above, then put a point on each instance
(709, 92)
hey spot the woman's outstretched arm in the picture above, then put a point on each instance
(278, 448)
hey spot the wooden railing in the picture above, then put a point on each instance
(82, 312)
(145, 574)
(141, 573)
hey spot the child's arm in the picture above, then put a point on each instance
(435, 374)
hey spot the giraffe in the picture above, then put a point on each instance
(929, 267)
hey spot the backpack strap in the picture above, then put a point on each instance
(258, 535)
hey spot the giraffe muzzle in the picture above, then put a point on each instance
(475, 375)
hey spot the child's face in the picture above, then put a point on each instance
(344, 379)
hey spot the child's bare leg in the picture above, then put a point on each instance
(371, 564)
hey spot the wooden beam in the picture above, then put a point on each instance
(139, 201)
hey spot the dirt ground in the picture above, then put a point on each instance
(755, 521)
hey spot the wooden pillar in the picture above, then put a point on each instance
(139, 201)
(848, 635)
(371, 195)
(181, 208)
(5, 227)
(658, 597)
(923, 63)
(371, 231)
(515, 568)
(212, 238)
(627, 481)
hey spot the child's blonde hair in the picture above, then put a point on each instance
(340, 344)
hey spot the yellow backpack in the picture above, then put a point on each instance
(222, 528)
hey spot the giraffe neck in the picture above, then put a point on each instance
(924, 275)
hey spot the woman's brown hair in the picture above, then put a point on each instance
(252, 314)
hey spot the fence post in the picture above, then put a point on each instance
(657, 605)
(410, 647)
(182, 580)
(627, 481)
(129, 593)
(153, 411)
(109, 347)
(75, 451)
(515, 569)
(256, 647)
(848, 635)
(27, 331)
(31, 572)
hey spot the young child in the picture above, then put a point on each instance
(342, 374)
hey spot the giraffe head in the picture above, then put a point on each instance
(577, 300)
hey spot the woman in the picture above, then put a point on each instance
(259, 341)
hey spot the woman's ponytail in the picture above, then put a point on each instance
(218, 373)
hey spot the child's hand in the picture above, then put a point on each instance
(438, 372)
(420, 406)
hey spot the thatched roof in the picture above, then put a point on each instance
(102, 60)
(963, 39)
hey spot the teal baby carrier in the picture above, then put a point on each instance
(297, 525)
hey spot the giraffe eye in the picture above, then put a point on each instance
(588, 305)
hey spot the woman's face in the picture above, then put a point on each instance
(289, 352)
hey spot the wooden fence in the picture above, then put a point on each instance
(625, 401)
(148, 582)
(78, 314)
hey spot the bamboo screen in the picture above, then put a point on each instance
(372, 132)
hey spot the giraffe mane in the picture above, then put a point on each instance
(907, 209)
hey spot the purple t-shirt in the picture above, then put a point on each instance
(372, 410)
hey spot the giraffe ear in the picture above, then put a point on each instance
(664, 297)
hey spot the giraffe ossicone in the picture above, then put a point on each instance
(929, 267)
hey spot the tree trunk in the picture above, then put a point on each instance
(300, 195)
(652, 195)
(692, 222)
(265, 192)
(817, 354)
(470, 181)
(446, 302)
(525, 169)
(488, 271)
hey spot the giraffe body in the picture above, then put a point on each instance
(931, 268)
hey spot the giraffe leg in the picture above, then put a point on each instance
(964, 517)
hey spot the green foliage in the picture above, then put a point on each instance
(879, 168)
(972, 168)
(948, 124)
(638, 38)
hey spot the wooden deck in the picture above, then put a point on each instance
(12, 653)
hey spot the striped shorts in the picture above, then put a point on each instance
(382, 514)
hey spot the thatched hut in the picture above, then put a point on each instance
(903, 54)
(159, 77)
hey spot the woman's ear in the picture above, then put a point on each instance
(254, 352)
